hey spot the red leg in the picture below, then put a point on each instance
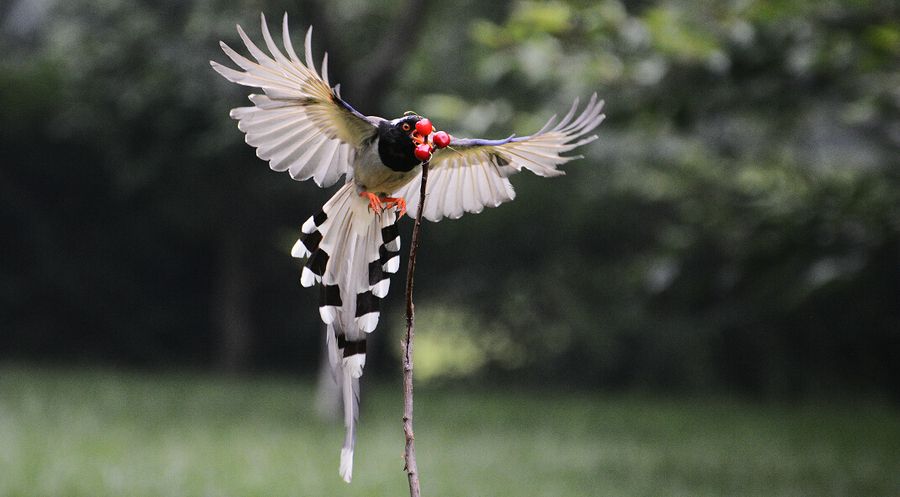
(378, 204)
(374, 202)
(397, 203)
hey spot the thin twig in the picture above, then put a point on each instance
(410, 453)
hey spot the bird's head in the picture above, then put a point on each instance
(398, 139)
(415, 126)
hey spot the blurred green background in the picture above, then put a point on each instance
(733, 233)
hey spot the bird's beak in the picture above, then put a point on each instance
(419, 139)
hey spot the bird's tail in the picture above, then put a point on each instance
(351, 252)
(350, 390)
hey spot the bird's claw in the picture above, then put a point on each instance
(379, 205)
(398, 203)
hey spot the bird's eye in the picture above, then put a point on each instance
(406, 127)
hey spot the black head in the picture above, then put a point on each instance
(396, 145)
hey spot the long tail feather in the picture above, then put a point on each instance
(350, 387)
(351, 253)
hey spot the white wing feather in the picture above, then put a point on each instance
(470, 175)
(300, 125)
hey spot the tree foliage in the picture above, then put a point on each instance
(736, 225)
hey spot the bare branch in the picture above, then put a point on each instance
(410, 453)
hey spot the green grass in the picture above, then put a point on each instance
(74, 432)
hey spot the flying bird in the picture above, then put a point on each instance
(301, 125)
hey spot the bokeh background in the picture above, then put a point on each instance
(733, 233)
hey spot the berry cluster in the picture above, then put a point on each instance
(440, 139)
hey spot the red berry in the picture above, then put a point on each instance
(424, 127)
(441, 139)
(423, 152)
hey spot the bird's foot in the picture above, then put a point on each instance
(398, 203)
(379, 204)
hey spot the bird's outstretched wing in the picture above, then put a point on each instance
(471, 174)
(300, 125)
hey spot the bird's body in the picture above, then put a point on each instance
(389, 163)
(351, 247)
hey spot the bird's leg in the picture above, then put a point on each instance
(379, 204)
(374, 201)
(397, 203)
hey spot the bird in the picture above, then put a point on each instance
(300, 124)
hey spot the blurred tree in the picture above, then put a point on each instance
(737, 224)
(748, 169)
